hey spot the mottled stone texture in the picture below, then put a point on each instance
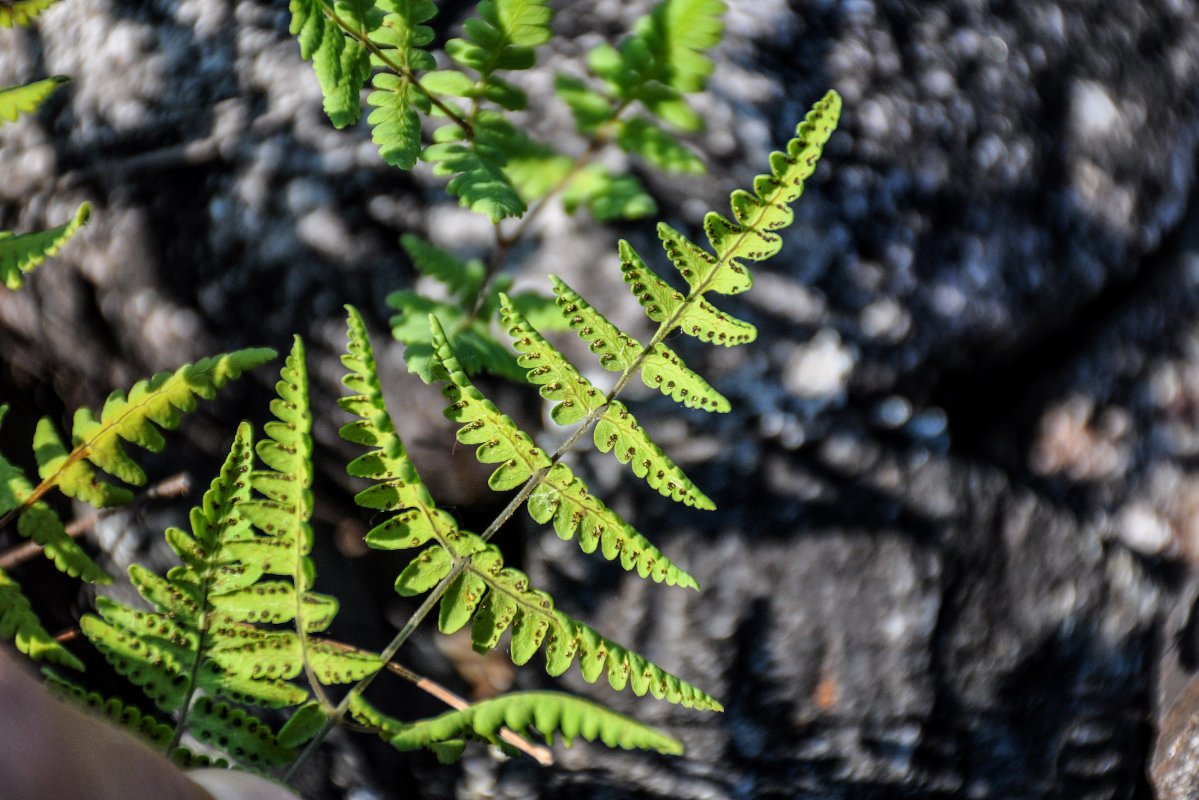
(958, 495)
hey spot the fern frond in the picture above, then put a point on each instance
(21, 626)
(22, 12)
(502, 36)
(25, 99)
(249, 740)
(760, 214)
(42, 525)
(130, 418)
(463, 279)
(496, 596)
(21, 253)
(618, 432)
(203, 633)
(658, 147)
(573, 395)
(549, 713)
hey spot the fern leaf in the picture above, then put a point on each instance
(21, 626)
(617, 350)
(242, 736)
(573, 395)
(22, 12)
(131, 418)
(502, 36)
(618, 432)
(607, 195)
(536, 625)
(149, 650)
(398, 103)
(203, 634)
(665, 371)
(549, 713)
(752, 237)
(464, 279)
(25, 99)
(21, 253)
(498, 438)
(760, 214)
(658, 147)
(660, 302)
(477, 165)
(563, 498)
(676, 33)
(39, 523)
(341, 63)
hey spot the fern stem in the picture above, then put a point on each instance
(399, 69)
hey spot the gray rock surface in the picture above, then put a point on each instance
(958, 500)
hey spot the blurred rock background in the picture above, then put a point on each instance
(959, 490)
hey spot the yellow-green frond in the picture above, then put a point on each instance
(22, 253)
(22, 12)
(550, 714)
(21, 626)
(25, 99)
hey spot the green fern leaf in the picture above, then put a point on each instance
(39, 523)
(149, 650)
(618, 432)
(498, 438)
(660, 302)
(758, 217)
(128, 417)
(676, 33)
(25, 99)
(203, 633)
(753, 237)
(242, 736)
(22, 12)
(398, 102)
(464, 279)
(21, 253)
(502, 36)
(21, 626)
(617, 350)
(563, 498)
(607, 195)
(549, 713)
(342, 64)
(417, 521)
(477, 165)
(658, 147)
(573, 395)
